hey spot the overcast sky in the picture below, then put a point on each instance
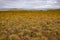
(30, 4)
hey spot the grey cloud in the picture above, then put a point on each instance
(30, 4)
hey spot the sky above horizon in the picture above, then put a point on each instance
(30, 4)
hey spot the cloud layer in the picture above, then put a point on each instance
(30, 4)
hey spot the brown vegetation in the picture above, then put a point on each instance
(30, 25)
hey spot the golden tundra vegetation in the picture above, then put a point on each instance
(30, 25)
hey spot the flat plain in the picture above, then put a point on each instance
(30, 25)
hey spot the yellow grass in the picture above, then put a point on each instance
(30, 25)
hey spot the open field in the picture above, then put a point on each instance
(30, 25)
